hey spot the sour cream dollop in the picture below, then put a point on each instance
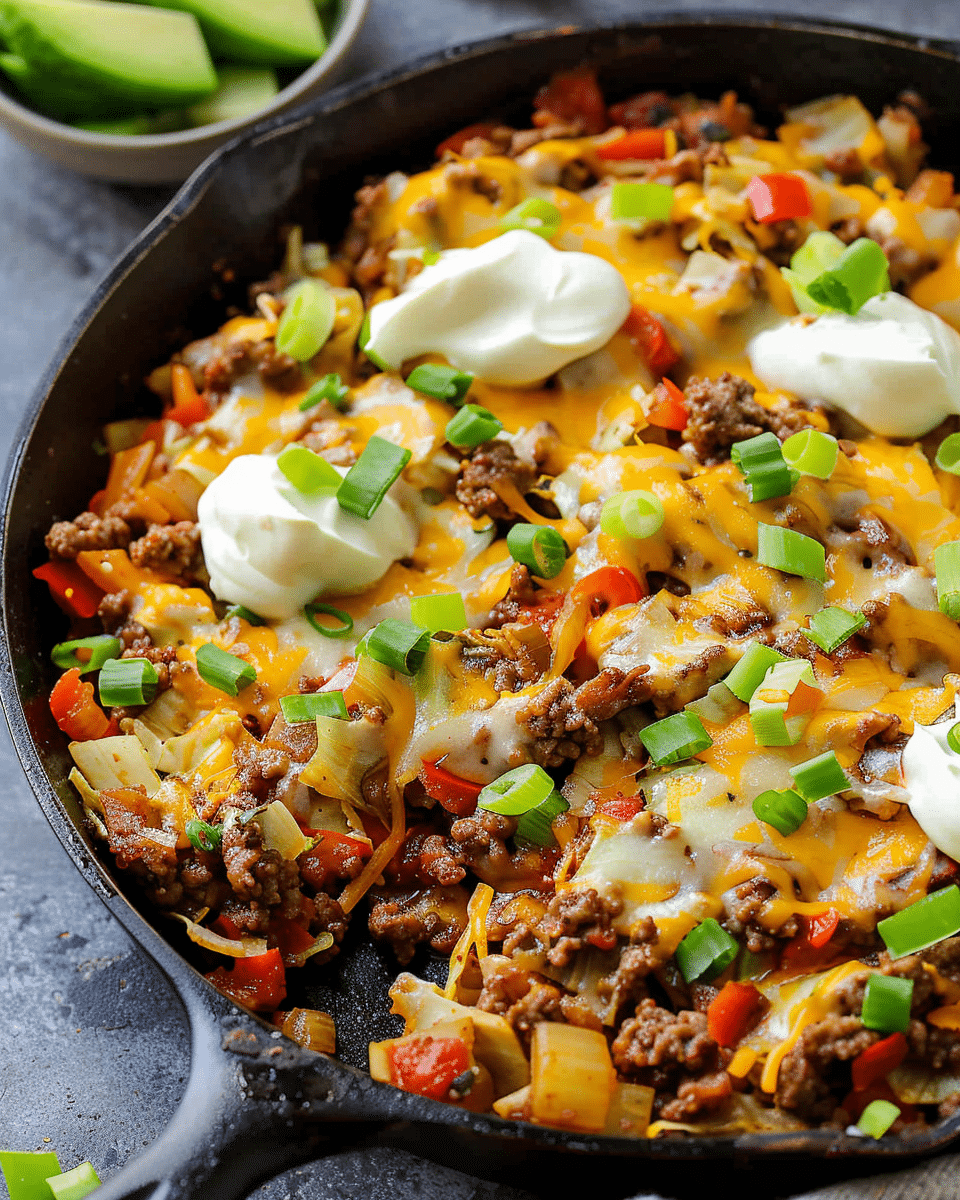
(931, 774)
(511, 311)
(272, 548)
(894, 366)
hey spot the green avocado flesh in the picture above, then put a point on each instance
(242, 91)
(72, 55)
(278, 33)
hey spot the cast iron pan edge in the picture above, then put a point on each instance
(256, 1104)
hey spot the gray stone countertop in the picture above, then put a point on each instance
(93, 1047)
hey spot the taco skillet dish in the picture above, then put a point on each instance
(560, 576)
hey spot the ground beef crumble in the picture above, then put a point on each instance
(67, 539)
(723, 411)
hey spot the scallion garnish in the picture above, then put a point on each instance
(540, 548)
(330, 388)
(371, 477)
(812, 453)
(785, 811)
(923, 924)
(792, 552)
(363, 341)
(444, 611)
(536, 824)
(706, 951)
(819, 777)
(331, 631)
(516, 791)
(252, 618)
(440, 381)
(309, 706)
(74, 1184)
(223, 670)
(946, 564)
(748, 674)
(886, 1003)
(127, 681)
(818, 253)
(830, 627)
(640, 201)
(860, 273)
(308, 472)
(636, 514)
(533, 214)
(953, 738)
(675, 738)
(781, 707)
(307, 320)
(399, 645)
(877, 1118)
(203, 836)
(472, 426)
(86, 654)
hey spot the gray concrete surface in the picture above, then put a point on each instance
(93, 1046)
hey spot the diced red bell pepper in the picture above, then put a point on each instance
(328, 859)
(456, 141)
(189, 406)
(428, 1065)
(647, 333)
(226, 928)
(258, 981)
(668, 408)
(642, 111)
(572, 96)
(621, 808)
(75, 710)
(779, 196)
(637, 144)
(813, 937)
(732, 1012)
(291, 938)
(456, 795)
(69, 586)
(608, 587)
(877, 1061)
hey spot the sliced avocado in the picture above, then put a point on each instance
(242, 91)
(273, 33)
(53, 97)
(143, 57)
(139, 125)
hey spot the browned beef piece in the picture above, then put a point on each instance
(406, 918)
(750, 900)
(577, 918)
(815, 1075)
(171, 548)
(327, 917)
(523, 997)
(258, 874)
(522, 596)
(509, 663)
(490, 463)
(114, 609)
(637, 961)
(88, 532)
(328, 438)
(723, 411)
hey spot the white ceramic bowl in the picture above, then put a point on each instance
(171, 157)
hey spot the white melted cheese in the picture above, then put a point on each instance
(931, 775)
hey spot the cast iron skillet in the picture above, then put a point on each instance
(256, 1104)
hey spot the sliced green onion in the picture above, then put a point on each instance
(309, 706)
(330, 388)
(818, 253)
(307, 320)
(533, 214)
(819, 777)
(948, 454)
(748, 674)
(641, 201)
(75, 1184)
(440, 381)
(363, 341)
(471, 426)
(953, 738)
(877, 1118)
(675, 738)
(539, 547)
(785, 811)
(26, 1173)
(886, 1004)
(636, 514)
(308, 472)
(790, 551)
(706, 951)
(96, 650)
(718, 706)
(762, 464)
(203, 836)
(331, 631)
(431, 257)
(812, 453)
(371, 477)
(223, 670)
(127, 681)
(516, 791)
(923, 924)
(399, 645)
(860, 273)
(770, 702)
(536, 824)
(830, 627)
(252, 618)
(946, 564)
(444, 611)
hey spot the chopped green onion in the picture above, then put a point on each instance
(440, 381)
(539, 547)
(718, 706)
(75, 1184)
(785, 811)
(331, 631)
(536, 824)
(26, 1173)
(127, 681)
(812, 453)
(953, 738)
(762, 464)
(203, 836)
(792, 552)
(533, 214)
(819, 777)
(830, 627)
(886, 1004)
(877, 1118)
(636, 514)
(444, 611)
(252, 618)
(948, 455)
(223, 670)
(641, 201)
(307, 320)
(946, 564)
(471, 426)
(399, 645)
(371, 477)
(860, 273)
(706, 951)
(818, 253)
(96, 649)
(516, 791)
(330, 388)
(307, 707)
(431, 257)
(675, 738)
(923, 924)
(748, 674)
(308, 472)
(363, 341)
(770, 702)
